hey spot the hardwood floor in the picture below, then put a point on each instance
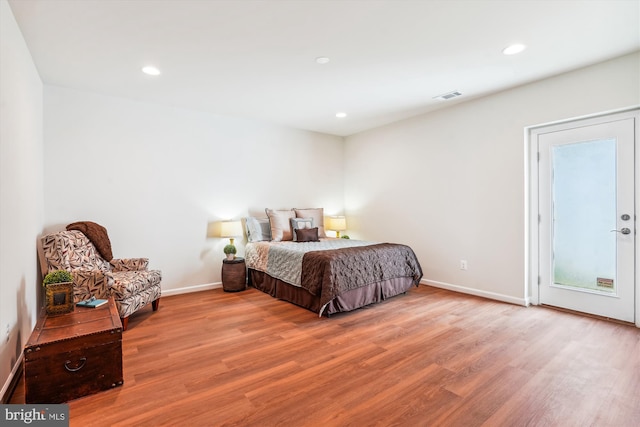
(427, 358)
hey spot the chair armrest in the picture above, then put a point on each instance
(88, 283)
(129, 264)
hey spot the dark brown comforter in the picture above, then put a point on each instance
(329, 273)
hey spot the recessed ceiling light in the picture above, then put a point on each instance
(322, 60)
(513, 49)
(151, 70)
(341, 115)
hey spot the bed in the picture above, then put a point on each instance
(299, 264)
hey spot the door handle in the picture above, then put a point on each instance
(623, 231)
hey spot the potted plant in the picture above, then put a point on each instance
(230, 251)
(58, 286)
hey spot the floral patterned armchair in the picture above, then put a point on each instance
(129, 281)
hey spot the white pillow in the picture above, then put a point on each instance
(280, 225)
(318, 218)
(258, 229)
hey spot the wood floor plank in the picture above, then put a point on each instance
(427, 358)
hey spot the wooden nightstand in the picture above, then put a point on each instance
(234, 275)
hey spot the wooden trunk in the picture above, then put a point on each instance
(73, 355)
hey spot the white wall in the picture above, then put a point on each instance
(21, 192)
(154, 176)
(451, 183)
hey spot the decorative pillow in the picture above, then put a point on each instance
(308, 234)
(300, 223)
(280, 225)
(318, 218)
(258, 229)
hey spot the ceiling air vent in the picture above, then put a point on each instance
(448, 95)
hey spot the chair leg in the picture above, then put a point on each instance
(125, 322)
(155, 304)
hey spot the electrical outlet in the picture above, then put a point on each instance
(463, 264)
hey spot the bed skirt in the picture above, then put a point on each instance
(347, 301)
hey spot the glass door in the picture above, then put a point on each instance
(587, 217)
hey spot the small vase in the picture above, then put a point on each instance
(59, 298)
(231, 257)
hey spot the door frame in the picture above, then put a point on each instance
(532, 229)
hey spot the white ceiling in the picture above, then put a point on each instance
(256, 59)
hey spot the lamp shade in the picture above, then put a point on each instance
(337, 223)
(230, 229)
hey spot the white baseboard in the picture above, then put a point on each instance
(189, 289)
(456, 288)
(476, 292)
(7, 384)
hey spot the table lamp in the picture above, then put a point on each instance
(337, 224)
(230, 229)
